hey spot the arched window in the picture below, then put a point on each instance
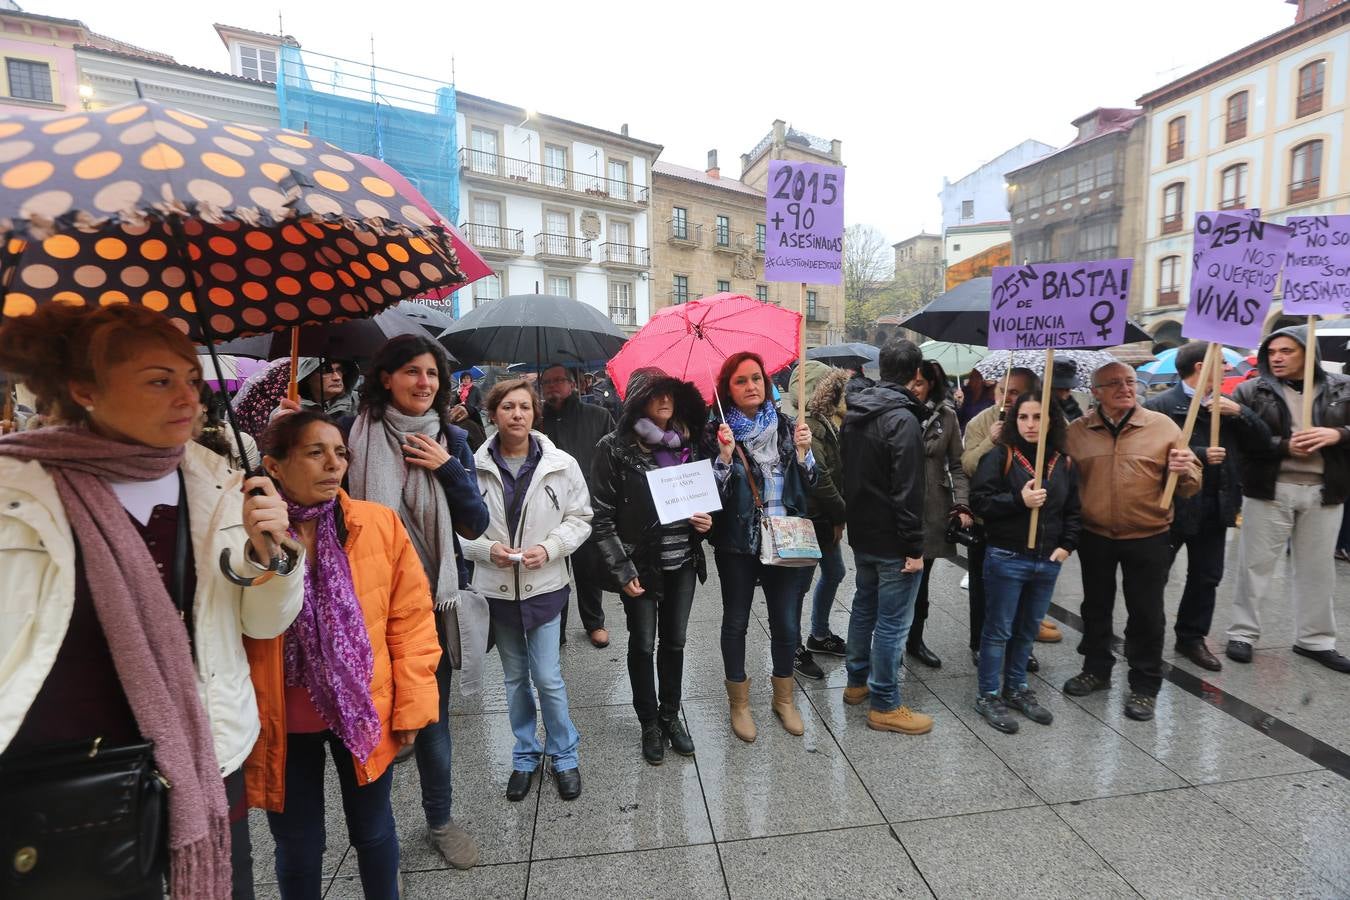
(1233, 182)
(1310, 80)
(1169, 280)
(1305, 172)
(1174, 207)
(1176, 139)
(1235, 117)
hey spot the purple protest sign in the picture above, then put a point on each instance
(1204, 224)
(804, 239)
(1231, 289)
(1058, 306)
(1317, 265)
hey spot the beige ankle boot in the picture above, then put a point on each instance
(785, 707)
(738, 695)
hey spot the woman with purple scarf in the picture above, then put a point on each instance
(653, 566)
(117, 627)
(355, 674)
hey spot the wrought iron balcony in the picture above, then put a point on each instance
(1303, 191)
(562, 248)
(493, 240)
(623, 315)
(683, 233)
(550, 179)
(624, 256)
(818, 314)
(1171, 224)
(727, 241)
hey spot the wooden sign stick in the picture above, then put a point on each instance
(1215, 393)
(1189, 428)
(1047, 385)
(801, 356)
(1309, 371)
(293, 389)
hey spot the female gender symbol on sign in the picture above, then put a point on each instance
(1102, 315)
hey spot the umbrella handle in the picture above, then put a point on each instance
(287, 550)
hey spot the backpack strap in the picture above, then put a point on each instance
(1007, 460)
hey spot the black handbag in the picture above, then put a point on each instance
(81, 820)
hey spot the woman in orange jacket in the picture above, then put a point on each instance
(355, 672)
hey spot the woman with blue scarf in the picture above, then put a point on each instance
(776, 454)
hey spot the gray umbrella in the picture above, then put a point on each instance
(539, 329)
(850, 355)
(353, 339)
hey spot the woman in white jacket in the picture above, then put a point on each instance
(539, 513)
(116, 624)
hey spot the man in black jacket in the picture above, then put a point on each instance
(576, 428)
(1295, 489)
(1201, 523)
(881, 446)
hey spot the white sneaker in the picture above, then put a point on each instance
(965, 582)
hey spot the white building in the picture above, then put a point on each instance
(556, 207)
(977, 203)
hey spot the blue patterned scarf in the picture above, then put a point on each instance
(759, 435)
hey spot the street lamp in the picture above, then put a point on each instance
(86, 92)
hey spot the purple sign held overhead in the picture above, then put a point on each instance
(1317, 265)
(1204, 224)
(1238, 266)
(1058, 306)
(804, 239)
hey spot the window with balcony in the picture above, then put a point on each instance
(29, 80)
(723, 231)
(811, 311)
(679, 291)
(1305, 173)
(487, 289)
(621, 309)
(555, 165)
(483, 150)
(1174, 206)
(1176, 139)
(618, 180)
(1233, 187)
(1310, 81)
(760, 235)
(1169, 280)
(723, 287)
(967, 209)
(762, 293)
(1235, 117)
(560, 285)
(679, 223)
(258, 62)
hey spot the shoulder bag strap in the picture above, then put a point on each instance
(750, 478)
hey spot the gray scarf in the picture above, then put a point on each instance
(378, 473)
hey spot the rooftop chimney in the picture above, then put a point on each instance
(837, 151)
(1309, 8)
(713, 171)
(623, 129)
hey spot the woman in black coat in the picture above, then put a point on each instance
(653, 566)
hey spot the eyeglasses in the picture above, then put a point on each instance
(1116, 384)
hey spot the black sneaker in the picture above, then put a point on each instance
(1033, 664)
(1140, 706)
(1085, 683)
(675, 732)
(805, 664)
(1024, 701)
(991, 706)
(831, 645)
(653, 744)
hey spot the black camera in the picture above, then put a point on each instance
(966, 537)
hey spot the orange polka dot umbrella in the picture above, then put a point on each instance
(230, 230)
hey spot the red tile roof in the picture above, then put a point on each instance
(684, 173)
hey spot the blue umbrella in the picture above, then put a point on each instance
(1163, 370)
(474, 371)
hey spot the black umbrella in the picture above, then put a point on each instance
(852, 355)
(353, 339)
(961, 316)
(534, 328)
(432, 319)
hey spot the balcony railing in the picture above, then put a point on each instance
(1167, 296)
(625, 256)
(1171, 224)
(562, 247)
(676, 297)
(1303, 191)
(524, 171)
(817, 314)
(623, 315)
(493, 239)
(1309, 103)
(1233, 203)
(1176, 151)
(1235, 130)
(726, 241)
(683, 232)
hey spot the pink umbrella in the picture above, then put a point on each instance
(692, 340)
(471, 263)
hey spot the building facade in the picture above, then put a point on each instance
(920, 270)
(1264, 127)
(556, 207)
(110, 77)
(981, 196)
(1084, 201)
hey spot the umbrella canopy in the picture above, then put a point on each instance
(233, 370)
(228, 229)
(1163, 370)
(539, 329)
(850, 355)
(994, 366)
(961, 315)
(353, 339)
(434, 320)
(690, 341)
(954, 358)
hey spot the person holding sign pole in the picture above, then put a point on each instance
(653, 566)
(1125, 454)
(753, 444)
(1294, 494)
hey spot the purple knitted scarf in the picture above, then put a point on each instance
(327, 649)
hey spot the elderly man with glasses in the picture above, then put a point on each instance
(1124, 454)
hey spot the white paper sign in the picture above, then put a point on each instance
(681, 491)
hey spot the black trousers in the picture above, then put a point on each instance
(915, 639)
(1204, 571)
(241, 844)
(1143, 564)
(975, 591)
(586, 569)
(658, 621)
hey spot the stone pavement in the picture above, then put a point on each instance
(1197, 803)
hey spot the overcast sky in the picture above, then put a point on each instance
(915, 90)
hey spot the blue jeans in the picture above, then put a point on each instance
(533, 656)
(883, 607)
(738, 573)
(831, 576)
(1017, 591)
(299, 830)
(433, 748)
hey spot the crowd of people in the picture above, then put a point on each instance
(397, 523)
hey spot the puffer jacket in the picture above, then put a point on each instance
(556, 514)
(1331, 409)
(37, 596)
(882, 450)
(946, 485)
(395, 601)
(824, 383)
(626, 528)
(996, 495)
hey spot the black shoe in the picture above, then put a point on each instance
(653, 744)
(924, 655)
(1239, 651)
(675, 732)
(975, 658)
(1140, 706)
(805, 664)
(1198, 653)
(569, 783)
(1033, 664)
(991, 706)
(518, 785)
(1024, 701)
(1329, 658)
(1085, 683)
(831, 645)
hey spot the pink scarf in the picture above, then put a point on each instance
(146, 637)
